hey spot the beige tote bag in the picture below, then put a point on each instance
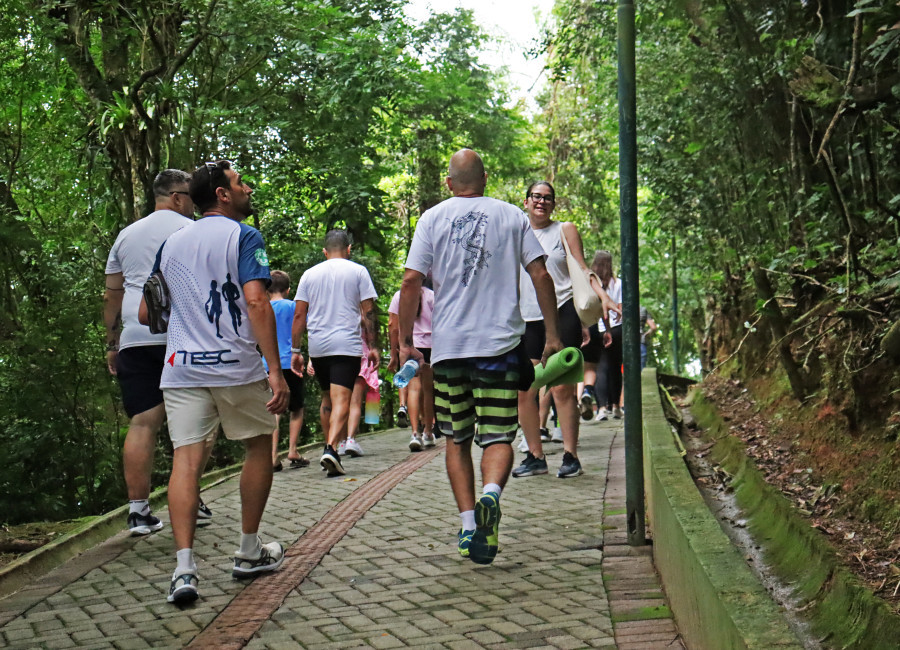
(587, 302)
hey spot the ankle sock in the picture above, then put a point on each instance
(251, 547)
(468, 519)
(185, 559)
(492, 487)
(140, 506)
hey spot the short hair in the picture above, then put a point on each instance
(337, 240)
(167, 180)
(536, 183)
(281, 282)
(466, 168)
(206, 180)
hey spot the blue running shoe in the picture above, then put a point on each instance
(465, 540)
(485, 541)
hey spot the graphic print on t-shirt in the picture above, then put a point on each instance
(213, 306)
(468, 231)
(232, 294)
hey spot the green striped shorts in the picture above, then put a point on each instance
(482, 391)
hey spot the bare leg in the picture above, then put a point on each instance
(529, 419)
(427, 378)
(256, 481)
(414, 404)
(325, 416)
(461, 472)
(184, 490)
(496, 463)
(137, 452)
(403, 395)
(275, 440)
(544, 407)
(339, 398)
(567, 410)
(295, 425)
(356, 405)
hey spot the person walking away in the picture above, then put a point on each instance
(648, 329)
(365, 381)
(207, 381)
(283, 309)
(603, 374)
(421, 387)
(331, 298)
(475, 248)
(540, 200)
(134, 355)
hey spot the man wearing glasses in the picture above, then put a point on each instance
(133, 354)
(211, 380)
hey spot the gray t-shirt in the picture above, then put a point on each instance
(558, 268)
(476, 249)
(333, 289)
(644, 316)
(133, 256)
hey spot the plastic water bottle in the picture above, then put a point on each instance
(406, 373)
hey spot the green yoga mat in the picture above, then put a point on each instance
(564, 367)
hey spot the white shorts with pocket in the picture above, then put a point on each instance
(195, 413)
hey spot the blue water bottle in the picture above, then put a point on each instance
(406, 373)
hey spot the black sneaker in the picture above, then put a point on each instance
(270, 558)
(204, 514)
(402, 418)
(545, 434)
(531, 466)
(570, 467)
(183, 589)
(586, 406)
(143, 524)
(331, 462)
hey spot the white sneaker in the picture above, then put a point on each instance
(617, 413)
(428, 440)
(545, 435)
(352, 448)
(523, 445)
(601, 415)
(342, 448)
(556, 436)
(270, 558)
(415, 442)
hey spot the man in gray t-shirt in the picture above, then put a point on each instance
(475, 248)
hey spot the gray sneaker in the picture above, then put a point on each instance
(271, 557)
(570, 467)
(531, 466)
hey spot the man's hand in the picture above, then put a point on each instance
(374, 358)
(408, 352)
(281, 394)
(394, 364)
(551, 347)
(111, 357)
(607, 339)
(297, 364)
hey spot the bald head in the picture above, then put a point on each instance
(466, 176)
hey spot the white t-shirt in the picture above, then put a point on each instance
(476, 249)
(614, 291)
(133, 255)
(333, 289)
(551, 241)
(210, 339)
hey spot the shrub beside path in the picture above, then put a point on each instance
(373, 564)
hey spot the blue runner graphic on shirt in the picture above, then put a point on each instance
(468, 232)
(232, 294)
(213, 306)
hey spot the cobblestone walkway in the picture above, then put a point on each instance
(379, 571)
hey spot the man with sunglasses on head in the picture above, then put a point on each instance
(211, 380)
(134, 355)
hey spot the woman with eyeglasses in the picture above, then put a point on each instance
(540, 200)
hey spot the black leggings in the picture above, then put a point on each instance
(609, 371)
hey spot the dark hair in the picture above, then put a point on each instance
(281, 282)
(206, 180)
(602, 266)
(337, 240)
(535, 184)
(167, 180)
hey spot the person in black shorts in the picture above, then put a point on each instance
(283, 308)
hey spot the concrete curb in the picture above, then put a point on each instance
(717, 602)
(31, 566)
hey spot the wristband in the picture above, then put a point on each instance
(296, 351)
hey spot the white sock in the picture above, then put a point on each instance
(468, 519)
(186, 564)
(140, 506)
(251, 547)
(492, 487)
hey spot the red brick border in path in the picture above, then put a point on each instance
(241, 619)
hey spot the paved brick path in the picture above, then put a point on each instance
(392, 577)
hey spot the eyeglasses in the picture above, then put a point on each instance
(537, 198)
